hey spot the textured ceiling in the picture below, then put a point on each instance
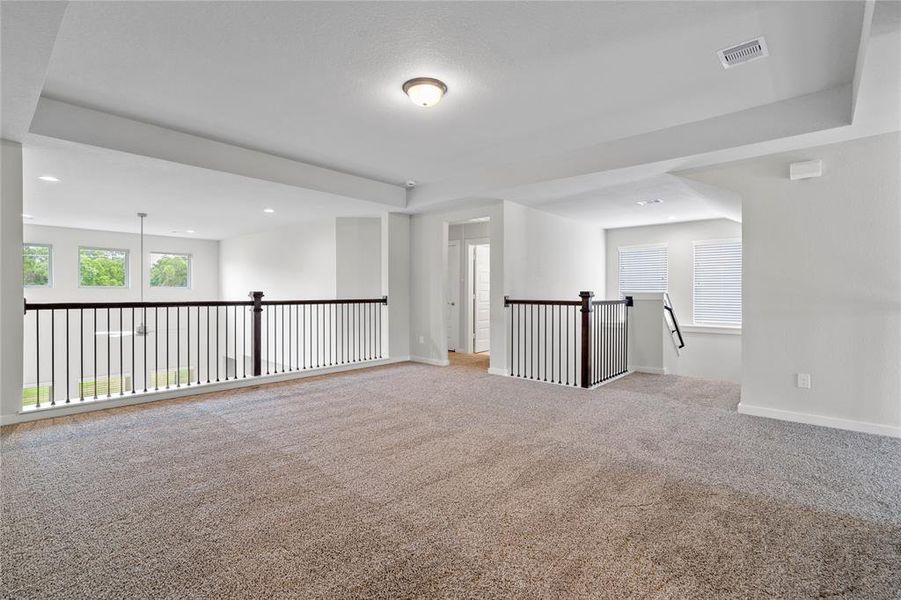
(320, 82)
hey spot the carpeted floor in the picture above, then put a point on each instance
(419, 481)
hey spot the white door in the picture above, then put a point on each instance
(481, 300)
(452, 302)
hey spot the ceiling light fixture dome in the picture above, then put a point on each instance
(425, 91)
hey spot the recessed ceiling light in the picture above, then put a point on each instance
(24, 216)
(672, 217)
(268, 211)
(646, 202)
(642, 202)
(49, 178)
(190, 231)
(425, 91)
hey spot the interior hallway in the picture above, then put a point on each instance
(411, 480)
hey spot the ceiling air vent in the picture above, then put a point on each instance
(744, 52)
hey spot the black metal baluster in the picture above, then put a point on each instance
(95, 354)
(198, 344)
(121, 364)
(178, 346)
(109, 334)
(52, 360)
(37, 357)
(144, 323)
(244, 341)
(133, 383)
(68, 390)
(218, 356)
(156, 348)
(225, 340)
(81, 353)
(208, 336)
(168, 368)
(290, 353)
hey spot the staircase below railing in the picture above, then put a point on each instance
(581, 343)
(672, 323)
(92, 350)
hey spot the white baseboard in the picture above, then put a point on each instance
(651, 370)
(89, 405)
(496, 371)
(436, 362)
(822, 421)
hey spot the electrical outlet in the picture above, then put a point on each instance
(422, 339)
(804, 381)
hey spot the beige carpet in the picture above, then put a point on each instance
(418, 481)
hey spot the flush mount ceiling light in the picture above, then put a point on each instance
(268, 211)
(425, 91)
(49, 178)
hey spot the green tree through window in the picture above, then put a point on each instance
(35, 265)
(170, 270)
(99, 267)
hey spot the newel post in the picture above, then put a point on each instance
(257, 333)
(586, 337)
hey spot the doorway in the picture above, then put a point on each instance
(467, 306)
(480, 254)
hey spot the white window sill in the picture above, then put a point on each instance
(719, 330)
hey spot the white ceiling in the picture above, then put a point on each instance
(617, 205)
(104, 189)
(320, 82)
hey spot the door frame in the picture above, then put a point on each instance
(448, 292)
(469, 317)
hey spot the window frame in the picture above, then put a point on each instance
(49, 247)
(187, 255)
(619, 266)
(127, 283)
(694, 303)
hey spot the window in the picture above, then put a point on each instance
(170, 270)
(36, 265)
(101, 267)
(643, 269)
(717, 285)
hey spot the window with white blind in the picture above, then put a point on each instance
(643, 269)
(717, 282)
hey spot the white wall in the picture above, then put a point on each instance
(712, 353)
(11, 328)
(822, 283)
(551, 257)
(358, 259)
(66, 241)
(293, 262)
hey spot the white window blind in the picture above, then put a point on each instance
(717, 282)
(643, 269)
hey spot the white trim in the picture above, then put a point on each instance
(649, 370)
(435, 362)
(718, 330)
(90, 405)
(611, 380)
(821, 420)
(496, 371)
